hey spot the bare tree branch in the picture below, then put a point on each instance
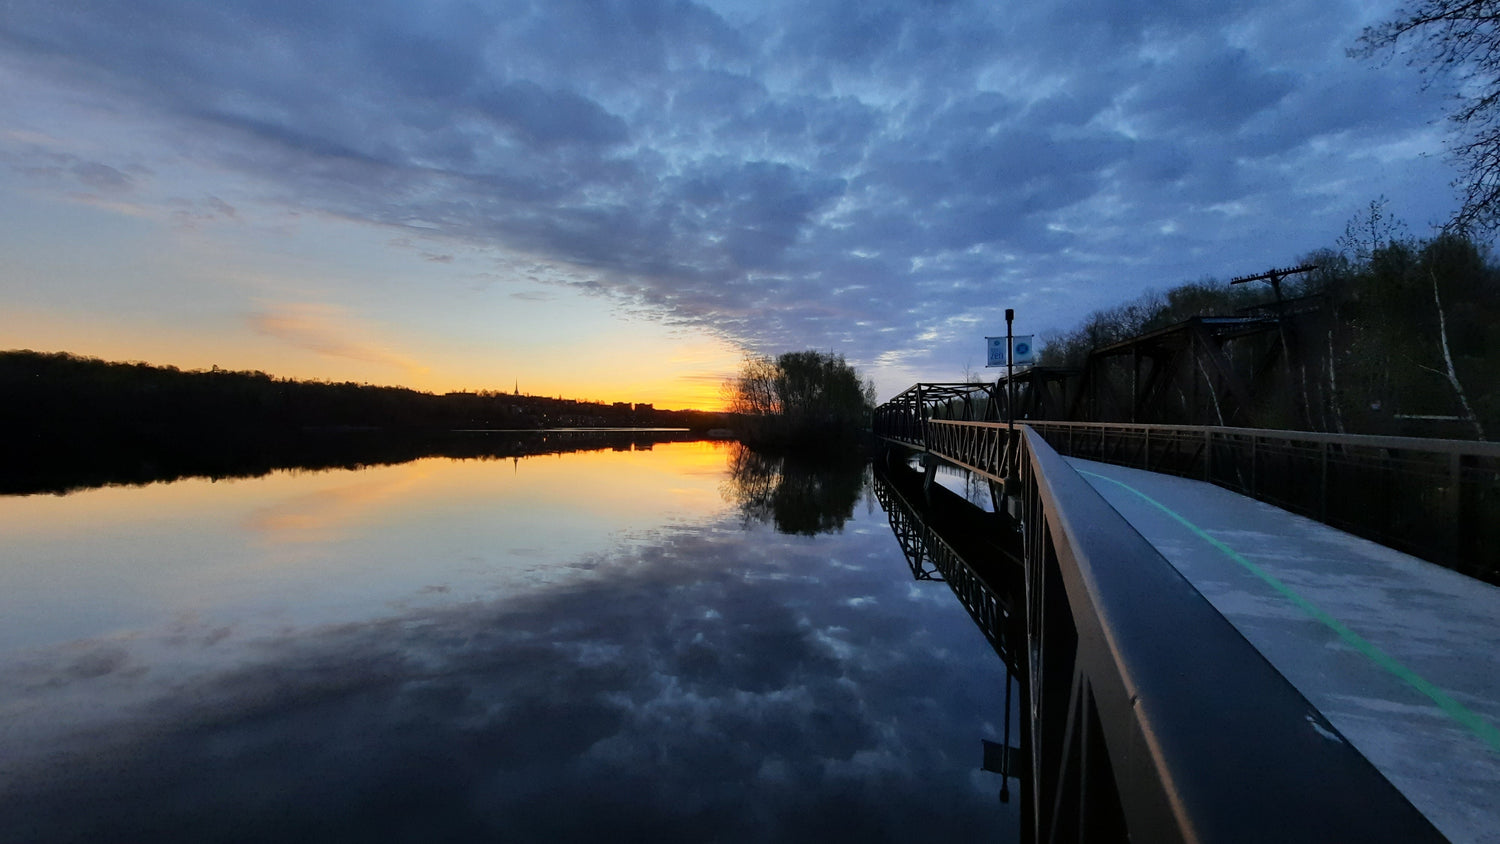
(1459, 39)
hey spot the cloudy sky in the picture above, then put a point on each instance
(617, 200)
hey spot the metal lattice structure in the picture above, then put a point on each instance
(986, 583)
(1257, 369)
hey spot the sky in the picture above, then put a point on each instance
(620, 200)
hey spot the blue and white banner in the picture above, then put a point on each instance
(1021, 350)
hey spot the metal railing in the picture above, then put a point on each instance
(1435, 499)
(1432, 498)
(1151, 717)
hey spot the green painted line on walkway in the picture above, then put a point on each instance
(1455, 710)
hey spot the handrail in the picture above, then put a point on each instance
(1426, 444)
(1177, 728)
(937, 394)
(1434, 498)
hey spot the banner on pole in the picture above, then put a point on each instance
(1021, 350)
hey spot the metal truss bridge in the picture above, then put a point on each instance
(1220, 634)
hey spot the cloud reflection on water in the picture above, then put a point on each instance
(721, 683)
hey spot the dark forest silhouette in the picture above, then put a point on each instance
(1388, 329)
(68, 422)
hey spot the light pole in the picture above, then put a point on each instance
(1010, 371)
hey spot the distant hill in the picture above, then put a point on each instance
(137, 422)
(58, 388)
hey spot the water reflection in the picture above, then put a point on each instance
(671, 673)
(797, 492)
(60, 471)
(310, 547)
(945, 538)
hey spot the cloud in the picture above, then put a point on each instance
(833, 174)
(190, 213)
(327, 330)
(533, 296)
(101, 176)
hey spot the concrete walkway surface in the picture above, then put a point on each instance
(1402, 656)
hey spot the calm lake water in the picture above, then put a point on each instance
(684, 643)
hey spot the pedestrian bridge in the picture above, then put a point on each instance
(1228, 634)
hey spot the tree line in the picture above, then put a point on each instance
(47, 390)
(1409, 329)
(68, 421)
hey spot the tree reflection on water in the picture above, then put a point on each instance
(798, 492)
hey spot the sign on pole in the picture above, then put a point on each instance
(1021, 351)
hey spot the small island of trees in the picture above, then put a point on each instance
(799, 399)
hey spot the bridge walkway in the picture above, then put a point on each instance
(1399, 654)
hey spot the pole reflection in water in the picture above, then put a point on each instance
(946, 538)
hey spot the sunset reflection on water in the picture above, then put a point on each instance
(90, 562)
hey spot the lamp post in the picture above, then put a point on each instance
(1010, 371)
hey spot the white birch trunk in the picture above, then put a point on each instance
(1333, 384)
(1448, 361)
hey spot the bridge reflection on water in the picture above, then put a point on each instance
(945, 539)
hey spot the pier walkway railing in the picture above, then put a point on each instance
(1148, 717)
(1433, 498)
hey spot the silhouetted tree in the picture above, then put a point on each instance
(1460, 39)
(753, 391)
(799, 396)
(1371, 229)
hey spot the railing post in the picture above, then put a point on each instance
(1208, 456)
(1323, 483)
(922, 418)
(1254, 440)
(1455, 506)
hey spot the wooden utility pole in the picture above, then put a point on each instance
(1274, 277)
